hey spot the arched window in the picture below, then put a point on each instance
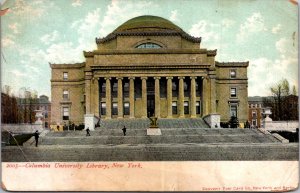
(149, 45)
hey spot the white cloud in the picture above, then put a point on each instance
(8, 41)
(227, 23)
(174, 16)
(32, 9)
(253, 25)
(77, 3)
(206, 30)
(121, 11)
(276, 29)
(64, 52)
(17, 73)
(49, 38)
(264, 72)
(14, 27)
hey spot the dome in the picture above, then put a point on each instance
(147, 21)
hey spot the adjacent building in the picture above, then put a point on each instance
(149, 66)
(28, 107)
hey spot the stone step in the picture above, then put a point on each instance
(177, 139)
(156, 152)
(165, 131)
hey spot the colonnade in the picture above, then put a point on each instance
(180, 100)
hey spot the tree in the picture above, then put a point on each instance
(280, 101)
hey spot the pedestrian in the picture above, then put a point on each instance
(88, 132)
(36, 137)
(124, 130)
(57, 127)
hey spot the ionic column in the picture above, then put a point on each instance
(157, 97)
(108, 98)
(120, 97)
(193, 97)
(96, 93)
(205, 93)
(144, 97)
(169, 96)
(181, 97)
(212, 95)
(88, 96)
(131, 96)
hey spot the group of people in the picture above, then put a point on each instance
(89, 134)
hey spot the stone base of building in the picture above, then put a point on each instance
(153, 131)
(90, 121)
(213, 120)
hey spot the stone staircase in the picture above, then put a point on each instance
(181, 139)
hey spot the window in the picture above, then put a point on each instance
(115, 89)
(233, 92)
(186, 107)
(126, 89)
(103, 88)
(198, 110)
(115, 109)
(46, 115)
(233, 73)
(65, 113)
(149, 45)
(174, 107)
(65, 76)
(65, 94)
(174, 89)
(254, 114)
(103, 109)
(254, 122)
(126, 108)
(233, 110)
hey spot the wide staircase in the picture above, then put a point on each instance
(181, 139)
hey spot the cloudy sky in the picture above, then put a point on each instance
(36, 32)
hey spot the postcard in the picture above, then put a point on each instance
(151, 95)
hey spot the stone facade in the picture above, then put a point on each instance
(149, 66)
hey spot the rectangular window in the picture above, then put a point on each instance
(65, 94)
(254, 114)
(65, 76)
(103, 89)
(126, 108)
(233, 92)
(126, 89)
(233, 110)
(103, 109)
(115, 109)
(254, 123)
(198, 110)
(115, 89)
(174, 107)
(66, 113)
(232, 73)
(186, 107)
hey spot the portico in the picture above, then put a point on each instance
(159, 96)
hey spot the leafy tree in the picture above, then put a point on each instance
(282, 100)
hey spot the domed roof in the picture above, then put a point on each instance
(148, 25)
(147, 21)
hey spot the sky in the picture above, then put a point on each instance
(35, 33)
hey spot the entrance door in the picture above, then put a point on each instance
(150, 105)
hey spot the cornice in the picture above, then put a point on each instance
(150, 51)
(183, 34)
(66, 65)
(142, 67)
(232, 64)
